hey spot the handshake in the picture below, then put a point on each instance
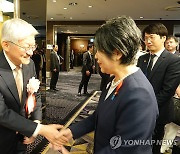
(57, 135)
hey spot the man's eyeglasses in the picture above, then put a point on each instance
(30, 48)
(150, 38)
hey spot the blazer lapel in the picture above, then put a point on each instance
(7, 75)
(144, 63)
(157, 64)
(26, 77)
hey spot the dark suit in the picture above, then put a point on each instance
(87, 66)
(131, 115)
(37, 61)
(12, 112)
(164, 77)
(54, 64)
(177, 53)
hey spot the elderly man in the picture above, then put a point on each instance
(16, 68)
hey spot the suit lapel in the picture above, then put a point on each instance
(157, 64)
(144, 63)
(7, 75)
(25, 71)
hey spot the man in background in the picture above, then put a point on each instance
(87, 69)
(54, 67)
(16, 68)
(171, 44)
(163, 71)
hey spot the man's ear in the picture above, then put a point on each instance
(5, 46)
(164, 38)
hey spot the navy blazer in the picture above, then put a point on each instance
(130, 116)
(165, 78)
(12, 111)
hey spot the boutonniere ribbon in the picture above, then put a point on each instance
(117, 90)
(32, 87)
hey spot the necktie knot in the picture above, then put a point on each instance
(17, 68)
(152, 56)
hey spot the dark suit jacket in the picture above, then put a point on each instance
(54, 62)
(131, 115)
(87, 63)
(177, 53)
(165, 77)
(12, 112)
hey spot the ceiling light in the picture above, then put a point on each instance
(52, 18)
(54, 1)
(172, 8)
(90, 6)
(73, 3)
(141, 17)
(71, 18)
(81, 45)
(6, 6)
(65, 8)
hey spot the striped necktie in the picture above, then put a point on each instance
(150, 64)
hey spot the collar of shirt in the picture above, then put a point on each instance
(10, 63)
(89, 52)
(174, 52)
(158, 54)
(112, 85)
(13, 67)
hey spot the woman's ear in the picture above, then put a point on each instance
(117, 55)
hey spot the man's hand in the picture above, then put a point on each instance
(87, 73)
(51, 133)
(61, 148)
(64, 150)
(28, 140)
(64, 136)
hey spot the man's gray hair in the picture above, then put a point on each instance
(17, 29)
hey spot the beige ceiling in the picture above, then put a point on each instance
(105, 9)
(33, 11)
(37, 13)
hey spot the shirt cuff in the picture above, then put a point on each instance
(36, 132)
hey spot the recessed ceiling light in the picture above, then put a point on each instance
(73, 3)
(65, 8)
(141, 17)
(54, 1)
(90, 6)
(70, 17)
(52, 18)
